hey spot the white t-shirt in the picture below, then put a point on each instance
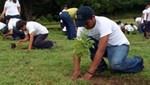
(148, 12)
(105, 26)
(139, 20)
(11, 7)
(144, 12)
(79, 31)
(135, 27)
(12, 23)
(36, 28)
(2, 25)
(129, 28)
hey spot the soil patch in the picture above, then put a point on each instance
(108, 80)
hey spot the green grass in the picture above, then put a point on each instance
(55, 66)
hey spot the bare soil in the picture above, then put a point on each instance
(108, 80)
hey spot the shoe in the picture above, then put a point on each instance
(140, 63)
(139, 57)
(53, 43)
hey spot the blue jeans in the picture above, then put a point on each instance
(40, 43)
(117, 57)
(70, 26)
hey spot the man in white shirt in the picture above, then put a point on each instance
(140, 24)
(11, 30)
(110, 39)
(35, 33)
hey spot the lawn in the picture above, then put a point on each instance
(54, 66)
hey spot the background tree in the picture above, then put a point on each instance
(33, 9)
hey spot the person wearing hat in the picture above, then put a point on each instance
(68, 18)
(109, 39)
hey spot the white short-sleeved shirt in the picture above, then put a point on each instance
(36, 28)
(139, 20)
(105, 26)
(129, 28)
(135, 27)
(148, 12)
(2, 25)
(12, 23)
(11, 7)
(144, 12)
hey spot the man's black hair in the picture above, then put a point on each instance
(20, 24)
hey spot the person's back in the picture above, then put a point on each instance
(68, 18)
(116, 36)
(129, 28)
(72, 12)
(37, 28)
(12, 23)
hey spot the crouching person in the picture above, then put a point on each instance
(11, 30)
(35, 33)
(108, 38)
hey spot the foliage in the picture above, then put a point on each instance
(43, 20)
(82, 45)
(37, 8)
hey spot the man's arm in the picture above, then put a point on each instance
(19, 10)
(98, 57)
(8, 34)
(3, 13)
(31, 40)
(23, 40)
(77, 73)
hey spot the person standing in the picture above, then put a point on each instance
(110, 40)
(147, 26)
(11, 9)
(68, 18)
(35, 33)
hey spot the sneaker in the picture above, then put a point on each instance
(54, 43)
(141, 64)
(139, 57)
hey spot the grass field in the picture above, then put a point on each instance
(54, 66)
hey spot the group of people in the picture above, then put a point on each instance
(107, 35)
(128, 28)
(143, 22)
(22, 30)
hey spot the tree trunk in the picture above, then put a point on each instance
(27, 7)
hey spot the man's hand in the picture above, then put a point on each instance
(76, 75)
(4, 36)
(19, 43)
(87, 76)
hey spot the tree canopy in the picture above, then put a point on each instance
(32, 9)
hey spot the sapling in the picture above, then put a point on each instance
(82, 45)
